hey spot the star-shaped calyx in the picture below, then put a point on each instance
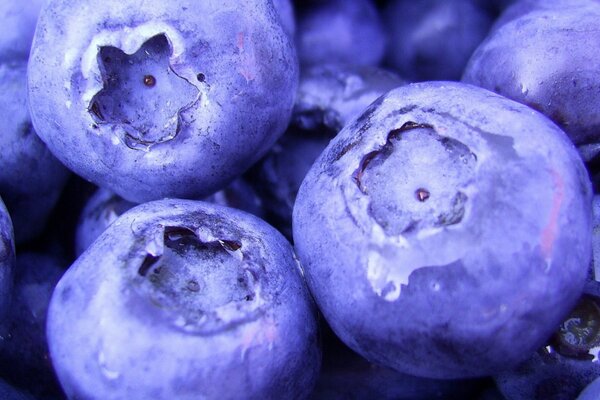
(141, 93)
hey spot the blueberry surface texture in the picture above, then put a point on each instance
(182, 299)
(31, 178)
(446, 232)
(547, 58)
(161, 99)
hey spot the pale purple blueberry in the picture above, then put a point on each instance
(446, 232)
(162, 98)
(183, 299)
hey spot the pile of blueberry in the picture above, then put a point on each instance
(317, 199)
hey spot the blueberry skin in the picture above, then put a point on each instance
(552, 67)
(464, 256)
(149, 289)
(7, 259)
(340, 31)
(433, 39)
(591, 392)
(161, 99)
(329, 96)
(18, 24)
(31, 178)
(24, 358)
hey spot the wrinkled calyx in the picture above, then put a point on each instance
(141, 93)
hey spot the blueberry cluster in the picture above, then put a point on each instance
(286, 199)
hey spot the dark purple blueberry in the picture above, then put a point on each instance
(433, 39)
(31, 178)
(24, 358)
(162, 98)
(568, 362)
(182, 299)
(329, 97)
(16, 31)
(340, 31)
(347, 376)
(547, 59)
(446, 232)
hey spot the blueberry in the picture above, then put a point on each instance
(329, 96)
(9, 392)
(547, 59)
(340, 31)
(7, 259)
(285, 10)
(161, 99)
(446, 232)
(433, 39)
(23, 347)
(184, 299)
(31, 178)
(345, 375)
